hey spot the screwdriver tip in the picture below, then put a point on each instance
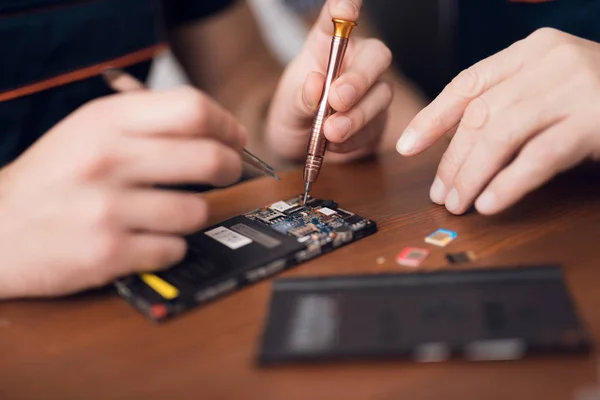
(307, 187)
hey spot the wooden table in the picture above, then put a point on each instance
(94, 346)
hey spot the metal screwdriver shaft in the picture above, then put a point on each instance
(317, 143)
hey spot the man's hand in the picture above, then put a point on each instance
(81, 207)
(520, 117)
(359, 96)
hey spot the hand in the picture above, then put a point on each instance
(359, 96)
(520, 117)
(81, 208)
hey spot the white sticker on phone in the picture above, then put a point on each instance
(327, 211)
(229, 238)
(280, 206)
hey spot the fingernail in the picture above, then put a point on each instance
(306, 99)
(406, 142)
(242, 129)
(437, 193)
(452, 201)
(343, 126)
(347, 94)
(110, 74)
(347, 6)
(486, 203)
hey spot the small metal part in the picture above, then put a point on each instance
(271, 174)
(269, 215)
(317, 143)
(296, 209)
(329, 204)
(259, 164)
(304, 230)
(307, 187)
(258, 160)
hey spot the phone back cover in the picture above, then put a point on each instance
(494, 314)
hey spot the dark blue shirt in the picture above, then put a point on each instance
(485, 27)
(52, 52)
(433, 40)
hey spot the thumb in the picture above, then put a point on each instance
(343, 9)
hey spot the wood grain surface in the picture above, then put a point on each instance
(95, 346)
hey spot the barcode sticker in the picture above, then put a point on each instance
(229, 238)
(280, 206)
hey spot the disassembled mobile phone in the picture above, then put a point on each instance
(244, 249)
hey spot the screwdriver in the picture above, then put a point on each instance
(120, 81)
(317, 143)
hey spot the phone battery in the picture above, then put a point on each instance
(490, 314)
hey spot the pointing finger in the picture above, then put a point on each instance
(448, 108)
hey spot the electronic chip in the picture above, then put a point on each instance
(295, 210)
(354, 219)
(343, 233)
(343, 213)
(441, 237)
(329, 204)
(412, 256)
(284, 226)
(326, 211)
(304, 230)
(269, 215)
(280, 206)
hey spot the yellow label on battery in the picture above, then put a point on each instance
(160, 286)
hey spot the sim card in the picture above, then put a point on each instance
(441, 237)
(412, 256)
